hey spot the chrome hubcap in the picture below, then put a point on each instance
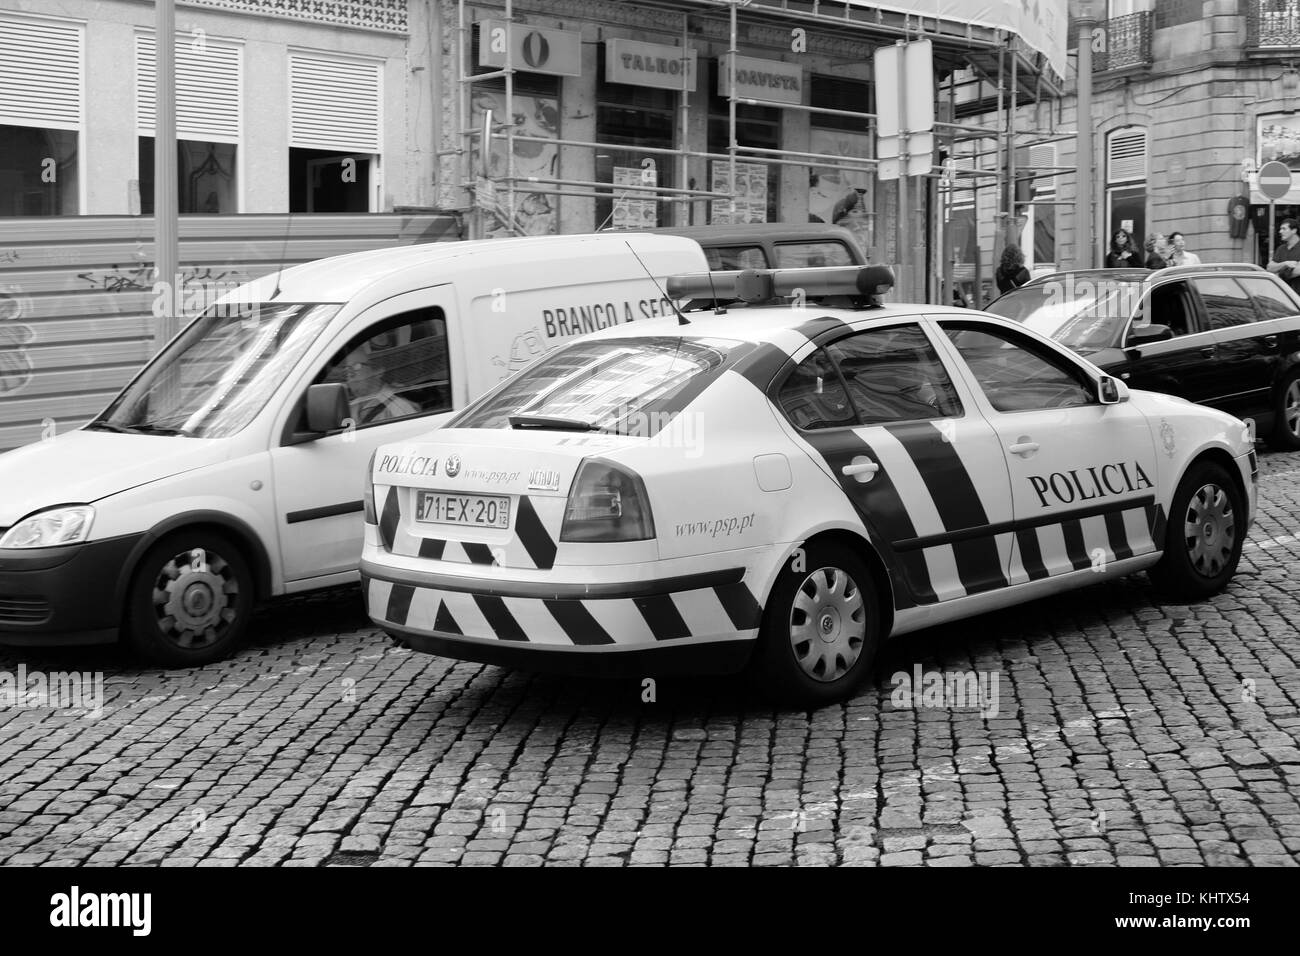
(827, 624)
(1210, 530)
(194, 598)
(1291, 408)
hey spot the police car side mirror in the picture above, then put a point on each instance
(327, 407)
(1109, 391)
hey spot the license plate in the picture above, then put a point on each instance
(482, 511)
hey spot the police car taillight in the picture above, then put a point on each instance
(368, 494)
(607, 503)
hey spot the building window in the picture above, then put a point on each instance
(206, 181)
(629, 115)
(38, 171)
(335, 112)
(40, 116)
(1126, 183)
(1036, 201)
(757, 126)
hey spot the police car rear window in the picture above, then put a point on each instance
(623, 386)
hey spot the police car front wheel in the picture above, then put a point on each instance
(190, 600)
(821, 627)
(1204, 534)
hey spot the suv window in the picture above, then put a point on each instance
(1271, 300)
(1016, 374)
(728, 258)
(895, 375)
(395, 369)
(801, 255)
(814, 396)
(1226, 303)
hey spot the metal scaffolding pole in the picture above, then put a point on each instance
(1083, 231)
(732, 143)
(165, 191)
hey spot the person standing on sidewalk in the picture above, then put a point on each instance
(1286, 256)
(1157, 252)
(1180, 256)
(1012, 273)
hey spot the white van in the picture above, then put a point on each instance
(231, 468)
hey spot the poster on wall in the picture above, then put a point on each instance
(841, 196)
(630, 211)
(1278, 139)
(750, 192)
(535, 213)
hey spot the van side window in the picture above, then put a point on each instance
(395, 369)
(728, 258)
(800, 255)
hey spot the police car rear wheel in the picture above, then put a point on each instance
(820, 628)
(190, 600)
(1286, 426)
(1203, 538)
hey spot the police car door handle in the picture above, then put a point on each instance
(1024, 447)
(1207, 351)
(860, 466)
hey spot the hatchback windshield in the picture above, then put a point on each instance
(624, 386)
(1085, 313)
(218, 373)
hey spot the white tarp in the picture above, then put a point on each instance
(1043, 25)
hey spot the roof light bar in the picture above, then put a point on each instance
(757, 286)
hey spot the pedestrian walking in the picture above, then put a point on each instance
(1012, 273)
(1157, 252)
(1178, 254)
(1122, 255)
(1286, 257)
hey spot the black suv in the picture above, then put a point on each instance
(1227, 336)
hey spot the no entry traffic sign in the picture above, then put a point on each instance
(1274, 180)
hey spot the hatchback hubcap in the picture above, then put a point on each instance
(1210, 530)
(827, 624)
(194, 598)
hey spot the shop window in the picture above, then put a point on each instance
(205, 177)
(628, 115)
(756, 126)
(38, 171)
(325, 181)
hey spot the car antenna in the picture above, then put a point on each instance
(284, 248)
(681, 319)
(713, 291)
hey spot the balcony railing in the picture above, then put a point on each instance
(1128, 42)
(1272, 24)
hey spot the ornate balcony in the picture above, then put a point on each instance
(1128, 43)
(386, 16)
(1272, 24)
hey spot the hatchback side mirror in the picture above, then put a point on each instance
(1146, 334)
(1108, 391)
(327, 407)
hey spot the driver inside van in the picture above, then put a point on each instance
(371, 398)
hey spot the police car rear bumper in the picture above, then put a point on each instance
(63, 595)
(697, 623)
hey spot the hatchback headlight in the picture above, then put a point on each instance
(47, 529)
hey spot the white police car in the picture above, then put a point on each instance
(788, 486)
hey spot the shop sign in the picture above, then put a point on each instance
(536, 50)
(770, 80)
(649, 64)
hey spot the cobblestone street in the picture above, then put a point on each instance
(1126, 733)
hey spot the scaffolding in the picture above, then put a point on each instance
(925, 272)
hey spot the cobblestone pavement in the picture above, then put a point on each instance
(1126, 733)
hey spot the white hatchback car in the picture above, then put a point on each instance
(785, 487)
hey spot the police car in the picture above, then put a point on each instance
(784, 487)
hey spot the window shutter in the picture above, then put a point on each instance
(207, 88)
(40, 73)
(1043, 156)
(1127, 156)
(334, 103)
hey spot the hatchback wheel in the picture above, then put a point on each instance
(1204, 536)
(821, 627)
(190, 600)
